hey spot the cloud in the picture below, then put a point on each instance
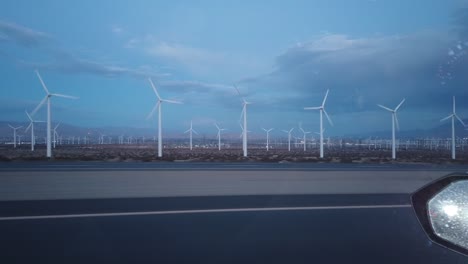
(69, 64)
(61, 60)
(22, 35)
(186, 55)
(199, 62)
(117, 30)
(361, 72)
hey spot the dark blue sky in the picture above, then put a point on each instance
(282, 54)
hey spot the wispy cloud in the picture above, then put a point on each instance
(62, 60)
(22, 35)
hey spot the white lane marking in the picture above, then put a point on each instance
(204, 211)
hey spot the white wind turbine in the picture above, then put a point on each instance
(395, 123)
(14, 134)
(305, 135)
(56, 134)
(158, 108)
(190, 130)
(268, 137)
(47, 100)
(453, 115)
(322, 111)
(31, 126)
(244, 127)
(289, 137)
(219, 135)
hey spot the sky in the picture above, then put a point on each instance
(282, 55)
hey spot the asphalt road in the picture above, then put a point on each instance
(56, 180)
(214, 213)
(233, 229)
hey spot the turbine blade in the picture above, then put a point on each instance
(11, 126)
(396, 122)
(285, 131)
(328, 117)
(153, 110)
(238, 92)
(27, 129)
(154, 88)
(171, 101)
(454, 105)
(29, 117)
(325, 99)
(187, 131)
(264, 129)
(193, 130)
(55, 126)
(216, 125)
(42, 82)
(291, 130)
(445, 118)
(398, 106)
(386, 108)
(459, 119)
(65, 96)
(313, 108)
(39, 105)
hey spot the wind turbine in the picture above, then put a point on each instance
(268, 137)
(47, 100)
(394, 124)
(244, 127)
(31, 125)
(191, 130)
(305, 134)
(56, 134)
(14, 133)
(289, 137)
(158, 108)
(219, 135)
(453, 115)
(322, 111)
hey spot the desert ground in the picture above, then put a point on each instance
(148, 153)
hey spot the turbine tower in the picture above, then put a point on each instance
(395, 123)
(14, 134)
(268, 137)
(244, 127)
(219, 135)
(191, 130)
(453, 115)
(289, 137)
(31, 126)
(322, 111)
(158, 108)
(47, 100)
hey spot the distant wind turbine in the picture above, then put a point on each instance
(14, 133)
(244, 127)
(268, 137)
(47, 100)
(219, 135)
(56, 134)
(453, 115)
(322, 111)
(395, 123)
(190, 130)
(305, 134)
(31, 126)
(289, 137)
(158, 108)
